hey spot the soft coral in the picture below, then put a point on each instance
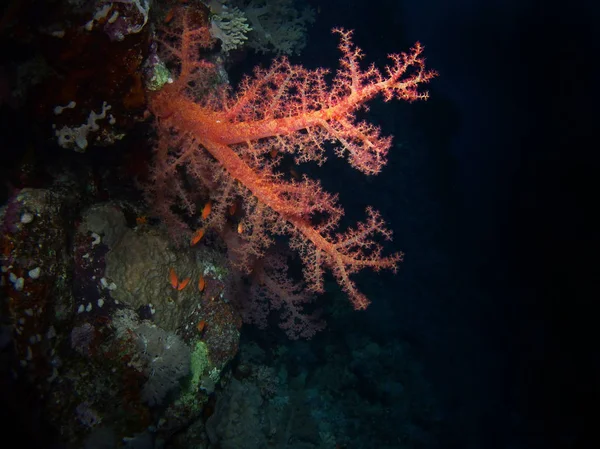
(223, 142)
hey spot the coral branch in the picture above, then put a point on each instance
(224, 142)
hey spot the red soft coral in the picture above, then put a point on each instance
(224, 143)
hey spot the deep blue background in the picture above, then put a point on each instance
(490, 189)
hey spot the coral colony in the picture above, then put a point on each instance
(231, 143)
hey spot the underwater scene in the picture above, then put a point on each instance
(298, 224)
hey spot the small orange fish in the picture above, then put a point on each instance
(197, 236)
(206, 210)
(201, 326)
(232, 208)
(294, 173)
(141, 220)
(273, 153)
(240, 228)
(169, 15)
(201, 283)
(183, 284)
(173, 278)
